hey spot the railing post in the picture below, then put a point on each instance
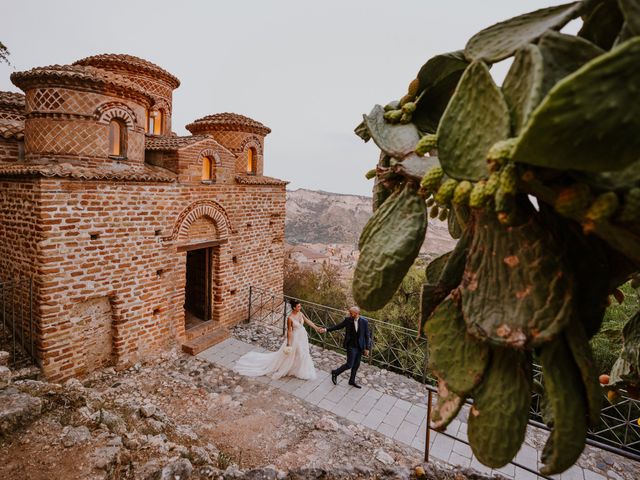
(426, 443)
(250, 298)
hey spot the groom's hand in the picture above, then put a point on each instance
(322, 330)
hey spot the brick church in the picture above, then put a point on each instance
(137, 240)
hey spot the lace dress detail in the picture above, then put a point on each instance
(297, 363)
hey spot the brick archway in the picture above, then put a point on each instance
(203, 208)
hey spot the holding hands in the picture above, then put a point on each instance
(321, 330)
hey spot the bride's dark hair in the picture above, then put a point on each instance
(293, 303)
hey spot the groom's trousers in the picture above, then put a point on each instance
(354, 354)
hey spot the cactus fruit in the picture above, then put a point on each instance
(389, 244)
(445, 193)
(631, 207)
(414, 87)
(462, 192)
(444, 213)
(434, 211)
(426, 143)
(504, 201)
(405, 118)
(502, 39)
(393, 116)
(453, 224)
(603, 207)
(508, 179)
(371, 174)
(431, 180)
(478, 197)
(572, 201)
(563, 388)
(539, 284)
(409, 107)
(454, 356)
(430, 202)
(492, 184)
(471, 124)
(500, 412)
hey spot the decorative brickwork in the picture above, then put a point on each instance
(116, 246)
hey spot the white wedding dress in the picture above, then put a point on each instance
(296, 363)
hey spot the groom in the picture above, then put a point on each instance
(357, 341)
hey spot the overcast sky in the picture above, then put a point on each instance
(306, 69)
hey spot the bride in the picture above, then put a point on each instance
(291, 359)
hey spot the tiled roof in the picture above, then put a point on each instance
(144, 173)
(227, 121)
(259, 180)
(130, 63)
(170, 143)
(12, 99)
(11, 129)
(74, 75)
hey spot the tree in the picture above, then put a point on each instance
(323, 286)
(4, 53)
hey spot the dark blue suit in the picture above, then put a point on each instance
(355, 343)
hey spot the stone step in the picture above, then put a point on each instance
(201, 343)
(202, 330)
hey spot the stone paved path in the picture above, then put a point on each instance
(393, 417)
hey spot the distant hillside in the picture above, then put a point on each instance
(323, 217)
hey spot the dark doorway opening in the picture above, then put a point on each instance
(197, 296)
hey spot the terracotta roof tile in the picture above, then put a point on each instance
(259, 180)
(12, 129)
(12, 99)
(77, 74)
(130, 63)
(144, 173)
(227, 121)
(170, 143)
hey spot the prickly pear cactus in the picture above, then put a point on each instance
(539, 178)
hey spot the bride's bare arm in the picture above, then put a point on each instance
(310, 323)
(289, 331)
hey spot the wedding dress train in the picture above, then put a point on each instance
(296, 363)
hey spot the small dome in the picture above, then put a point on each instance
(77, 75)
(227, 122)
(122, 62)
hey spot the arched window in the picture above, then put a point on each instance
(252, 161)
(155, 121)
(117, 138)
(208, 169)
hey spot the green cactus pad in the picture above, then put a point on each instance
(591, 119)
(516, 289)
(631, 336)
(389, 244)
(565, 394)
(414, 167)
(522, 86)
(581, 350)
(397, 141)
(447, 406)
(454, 356)
(438, 79)
(562, 55)
(603, 24)
(476, 118)
(631, 12)
(435, 267)
(430, 297)
(503, 39)
(500, 411)
(362, 131)
(453, 225)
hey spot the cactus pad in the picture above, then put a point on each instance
(454, 355)
(516, 290)
(476, 118)
(502, 39)
(522, 86)
(389, 244)
(575, 128)
(397, 141)
(500, 411)
(448, 404)
(602, 24)
(564, 391)
(631, 12)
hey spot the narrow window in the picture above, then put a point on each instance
(252, 161)
(208, 169)
(117, 139)
(157, 124)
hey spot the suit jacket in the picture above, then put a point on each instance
(363, 336)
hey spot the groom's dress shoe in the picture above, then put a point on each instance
(354, 384)
(334, 378)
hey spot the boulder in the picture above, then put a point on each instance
(17, 409)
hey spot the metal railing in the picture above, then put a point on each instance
(399, 349)
(17, 320)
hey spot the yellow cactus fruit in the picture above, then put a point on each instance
(431, 180)
(445, 192)
(409, 107)
(603, 207)
(370, 174)
(573, 200)
(414, 87)
(477, 198)
(393, 116)
(502, 150)
(426, 143)
(508, 179)
(462, 192)
(405, 118)
(492, 184)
